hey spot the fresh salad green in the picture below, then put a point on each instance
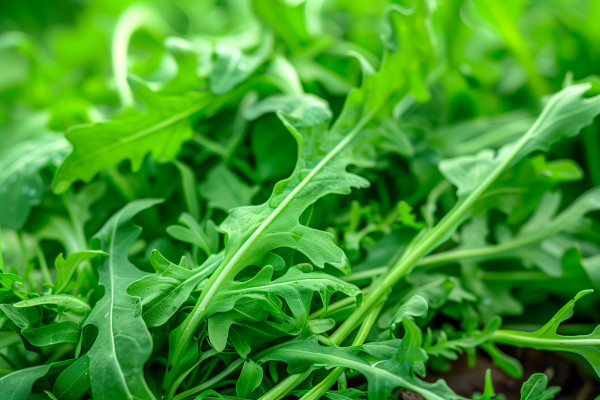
(313, 199)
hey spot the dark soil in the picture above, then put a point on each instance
(576, 383)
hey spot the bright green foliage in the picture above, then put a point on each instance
(159, 129)
(313, 199)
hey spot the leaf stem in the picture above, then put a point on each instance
(134, 17)
(522, 339)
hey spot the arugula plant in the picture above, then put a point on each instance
(265, 199)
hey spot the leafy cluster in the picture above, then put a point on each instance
(268, 199)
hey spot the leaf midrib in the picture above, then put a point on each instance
(222, 275)
(112, 302)
(153, 129)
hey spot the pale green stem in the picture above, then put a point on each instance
(520, 339)
(132, 19)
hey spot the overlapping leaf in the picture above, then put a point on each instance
(295, 287)
(123, 344)
(159, 130)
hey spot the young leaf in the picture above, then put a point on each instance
(563, 116)
(233, 67)
(65, 269)
(163, 293)
(535, 388)
(225, 190)
(203, 236)
(250, 378)
(190, 192)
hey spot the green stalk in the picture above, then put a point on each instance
(516, 338)
(429, 241)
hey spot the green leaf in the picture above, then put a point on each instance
(250, 378)
(18, 384)
(164, 292)
(535, 388)
(506, 363)
(225, 190)
(483, 132)
(213, 395)
(1, 258)
(538, 242)
(123, 344)
(22, 318)
(57, 332)
(21, 160)
(344, 394)
(253, 231)
(204, 236)
(190, 192)
(450, 348)
(74, 381)
(563, 116)
(416, 306)
(232, 66)
(159, 130)
(65, 301)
